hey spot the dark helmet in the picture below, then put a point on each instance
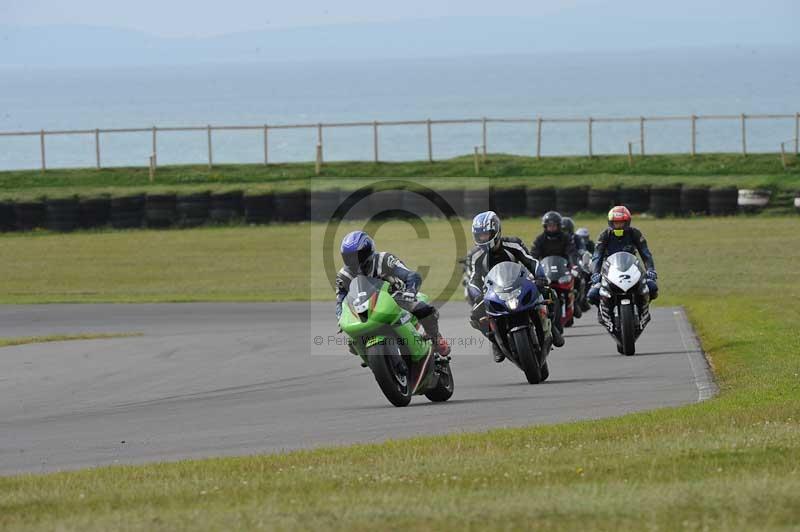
(554, 219)
(357, 251)
(486, 230)
(567, 225)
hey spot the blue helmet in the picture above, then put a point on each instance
(486, 230)
(357, 250)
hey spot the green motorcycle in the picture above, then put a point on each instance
(392, 344)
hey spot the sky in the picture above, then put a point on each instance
(202, 18)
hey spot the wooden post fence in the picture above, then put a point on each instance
(484, 137)
(210, 149)
(539, 138)
(318, 164)
(97, 148)
(630, 154)
(744, 136)
(375, 140)
(428, 123)
(641, 133)
(430, 142)
(319, 139)
(477, 162)
(155, 148)
(266, 145)
(783, 155)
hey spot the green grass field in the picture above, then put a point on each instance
(756, 170)
(730, 463)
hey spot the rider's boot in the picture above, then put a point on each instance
(558, 338)
(497, 353)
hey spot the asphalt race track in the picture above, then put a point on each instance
(234, 379)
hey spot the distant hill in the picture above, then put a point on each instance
(566, 31)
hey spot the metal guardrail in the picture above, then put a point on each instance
(428, 123)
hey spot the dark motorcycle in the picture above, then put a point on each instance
(562, 282)
(518, 317)
(624, 300)
(585, 282)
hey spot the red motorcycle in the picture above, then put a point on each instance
(562, 282)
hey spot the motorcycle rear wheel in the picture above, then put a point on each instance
(444, 386)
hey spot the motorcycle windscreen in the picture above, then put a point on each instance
(622, 261)
(555, 267)
(505, 277)
(361, 290)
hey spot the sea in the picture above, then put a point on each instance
(677, 82)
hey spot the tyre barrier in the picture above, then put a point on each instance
(601, 200)
(694, 200)
(127, 212)
(454, 198)
(226, 207)
(753, 200)
(476, 201)
(420, 202)
(192, 209)
(258, 208)
(323, 204)
(723, 201)
(95, 212)
(63, 214)
(636, 199)
(571, 200)
(539, 200)
(160, 210)
(509, 202)
(30, 215)
(385, 204)
(291, 206)
(665, 200)
(7, 217)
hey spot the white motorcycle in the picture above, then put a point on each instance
(624, 300)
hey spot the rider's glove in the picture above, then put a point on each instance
(574, 271)
(406, 296)
(596, 277)
(652, 275)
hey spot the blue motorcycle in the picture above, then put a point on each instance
(518, 319)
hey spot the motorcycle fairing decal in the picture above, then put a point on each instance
(375, 340)
(422, 371)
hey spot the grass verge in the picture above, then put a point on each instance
(756, 170)
(23, 340)
(730, 463)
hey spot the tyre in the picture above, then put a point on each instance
(159, 210)
(636, 199)
(476, 201)
(723, 201)
(384, 361)
(545, 372)
(539, 200)
(63, 214)
(95, 212)
(323, 204)
(453, 206)
(292, 206)
(601, 199)
(226, 207)
(571, 200)
(577, 310)
(527, 354)
(627, 326)
(444, 387)
(665, 200)
(258, 208)
(7, 217)
(694, 200)
(509, 202)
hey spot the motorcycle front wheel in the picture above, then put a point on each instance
(387, 365)
(627, 328)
